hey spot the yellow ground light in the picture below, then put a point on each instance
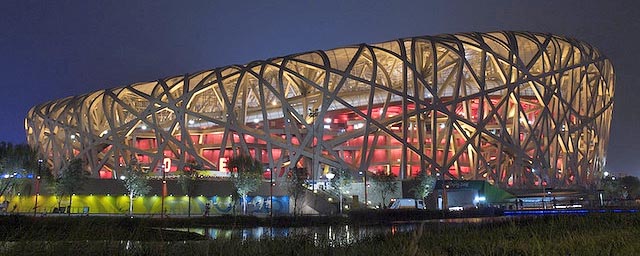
(118, 204)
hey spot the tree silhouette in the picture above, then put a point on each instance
(630, 186)
(384, 183)
(187, 180)
(341, 181)
(135, 183)
(426, 184)
(71, 178)
(246, 176)
(612, 188)
(296, 179)
(16, 162)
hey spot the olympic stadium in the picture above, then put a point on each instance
(515, 109)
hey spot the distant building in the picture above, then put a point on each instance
(466, 194)
(478, 106)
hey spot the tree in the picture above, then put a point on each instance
(296, 179)
(17, 157)
(135, 183)
(630, 186)
(187, 180)
(341, 181)
(426, 184)
(246, 176)
(16, 162)
(611, 187)
(71, 178)
(384, 183)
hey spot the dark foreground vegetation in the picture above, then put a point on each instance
(593, 234)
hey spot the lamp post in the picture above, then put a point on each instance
(130, 192)
(330, 176)
(313, 113)
(445, 200)
(35, 207)
(600, 191)
(271, 193)
(164, 189)
(544, 192)
(364, 180)
(366, 202)
(114, 174)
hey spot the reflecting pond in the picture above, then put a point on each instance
(334, 235)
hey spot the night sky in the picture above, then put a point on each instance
(54, 49)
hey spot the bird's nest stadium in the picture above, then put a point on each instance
(511, 108)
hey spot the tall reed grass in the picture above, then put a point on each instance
(594, 234)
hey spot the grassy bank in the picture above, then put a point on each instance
(607, 234)
(594, 234)
(23, 228)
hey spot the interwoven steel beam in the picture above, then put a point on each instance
(492, 106)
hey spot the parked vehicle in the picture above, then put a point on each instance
(407, 203)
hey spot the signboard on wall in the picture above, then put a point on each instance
(222, 165)
(167, 164)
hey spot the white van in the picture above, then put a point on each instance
(407, 203)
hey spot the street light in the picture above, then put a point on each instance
(271, 193)
(364, 179)
(365, 189)
(164, 171)
(544, 193)
(313, 113)
(35, 207)
(445, 186)
(115, 167)
(330, 176)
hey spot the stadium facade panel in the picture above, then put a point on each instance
(512, 108)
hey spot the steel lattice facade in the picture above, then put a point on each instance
(491, 106)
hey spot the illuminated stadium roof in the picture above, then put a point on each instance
(512, 108)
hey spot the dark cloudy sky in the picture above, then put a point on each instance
(54, 49)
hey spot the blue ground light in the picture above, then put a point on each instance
(581, 211)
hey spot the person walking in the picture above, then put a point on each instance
(207, 208)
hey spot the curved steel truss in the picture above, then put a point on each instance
(513, 108)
